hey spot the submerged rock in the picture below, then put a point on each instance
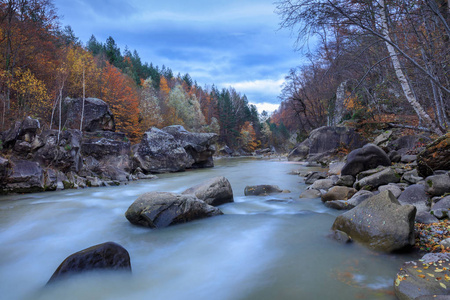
(161, 209)
(380, 222)
(261, 190)
(215, 191)
(106, 256)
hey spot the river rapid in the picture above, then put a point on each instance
(269, 247)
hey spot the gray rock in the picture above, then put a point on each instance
(383, 139)
(215, 191)
(367, 173)
(335, 168)
(261, 190)
(411, 177)
(346, 180)
(97, 115)
(408, 158)
(338, 193)
(438, 185)
(395, 190)
(160, 209)
(22, 148)
(394, 156)
(445, 243)
(381, 178)
(10, 136)
(101, 144)
(408, 142)
(426, 217)
(413, 279)
(311, 193)
(436, 156)
(365, 158)
(441, 208)
(300, 152)
(341, 237)
(359, 198)
(313, 176)
(322, 184)
(24, 177)
(380, 222)
(106, 256)
(338, 204)
(4, 164)
(326, 139)
(415, 195)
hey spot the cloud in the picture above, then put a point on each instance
(268, 86)
(268, 107)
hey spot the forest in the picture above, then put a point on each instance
(42, 64)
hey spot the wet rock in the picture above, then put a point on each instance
(441, 208)
(381, 178)
(311, 193)
(215, 191)
(438, 185)
(395, 190)
(419, 278)
(338, 193)
(365, 158)
(436, 156)
(160, 209)
(415, 195)
(261, 190)
(24, 177)
(346, 180)
(313, 176)
(97, 115)
(380, 222)
(341, 237)
(106, 256)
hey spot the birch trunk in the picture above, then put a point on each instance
(410, 97)
(84, 97)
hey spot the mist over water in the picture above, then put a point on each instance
(271, 247)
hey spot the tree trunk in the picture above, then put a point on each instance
(410, 97)
(84, 97)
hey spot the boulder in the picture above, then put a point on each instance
(24, 177)
(436, 156)
(215, 191)
(425, 217)
(335, 168)
(311, 193)
(313, 176)
(409, 143)
(101, 144)
(394, 156)
(441, 208)
(395, 190)
(419, 278)
(4, 164)
(338, 193)
(338, 204)
(227, 151)
(408, 158)
(383, 139)
(341, 237)
(300, 152)
(322, 184)
(380, 222)
(106, 256)
(415, 195)
(261, 190)
(161, 209)
(97, 115)
(365, 158)
(386, 176)
(359, 198)
(438, 185)
(346, 180)
(200, 146)
(411, 177)
(330, 138)
(10, 136)
(29, 129)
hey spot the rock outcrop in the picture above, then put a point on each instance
(215, 191)
(24, 177)
(106, 256)
(97, 115)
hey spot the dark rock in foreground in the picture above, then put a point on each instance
(215, 191)
(106, 256)
(380, 222)
(161, 209)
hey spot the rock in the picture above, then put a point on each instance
(381, 178)
(300, 152)
(412, 284)
(261, 190)
(338, 204)
(29, 129)
(97, 115)
(445, 243)
(322, 184)
(102, 144)
(346, 180)
(441, 209)
(227, 151)
(380, 222)
(313, 176)
(394, 156)
(359, 198)
(94, 181)
(22, 148)
(106, 256)
(370, 172)
(200, 146)
(436, 156)
(408, 143)
(365, 158)
(311, 193)
(383, 139)
(415, 195)
(10, 136)
(408, 158)
(338, 193)
(395, 190)
(411, 177)
(215, 191)
(328, 138)
(24, 177)
(438, 185)
(4, 164)
(426, 218)
(160, 209)
(341, 237)
(335, 168)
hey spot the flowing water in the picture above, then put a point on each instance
(269, 247)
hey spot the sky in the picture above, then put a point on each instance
(229, 43)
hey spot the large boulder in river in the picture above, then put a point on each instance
(106, 256)
(24, 177)
(428, 276)
(200, 146)
(436, 156)
(365, 158)
(215, 191)
(261, 190)
(161, 209)
(380, 222)
(97, 115)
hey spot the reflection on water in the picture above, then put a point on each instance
(272, 247)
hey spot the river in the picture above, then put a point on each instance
(270, 247)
